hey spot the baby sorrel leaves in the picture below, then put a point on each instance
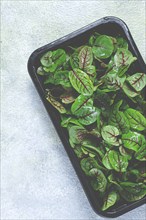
(132, 191)
(84, 110)
(110, 135)
(119, 120)
(114, 82)
(109, 200)
(141, 153)
(113, 160)
(88, 164)
(74, 60)
(103, 47)
(136, 119)
(81, 102)
(85, 57)
(99, 181)
(121, 61)
(55, 103)
(101, 103)
(137, 81)
(87, 116)
(133, 140)
(81, 82)
(52, 60)
(77, 134)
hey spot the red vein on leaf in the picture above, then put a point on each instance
(80, 81)
(138, 79)
(82, 104)
(85, 59)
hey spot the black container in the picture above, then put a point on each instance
(111, 26)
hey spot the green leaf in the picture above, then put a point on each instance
(46, 59)
(85, 57)
(67, 97)
(133, 140)
(92, 148)
(74, 60)
(129, 91)
(137, 81)
(113, 160)
(121, 61)
(109, 134)
(84, 110)
(109, 200)
(62, 78)
(69, 120)
(87, 152)
(66, 64)
(119, 163)
(50, 79)
(71, 143)
(87, 116)
(55, 103)
(141, 153)
(103, 47)
(119, 120)
(81, 82)
(81, 102)
(78, 151)
(136, 119)
(112, 180)
(77, 134)
(106, 161)
(124, 152)
(99, 183)
(132, 191)
(58, 57)
(92, 40)
(53, 59)
(87, 164)
(91, 72)
(121, 43)
(114, 82)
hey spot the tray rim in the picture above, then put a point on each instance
(34, 77)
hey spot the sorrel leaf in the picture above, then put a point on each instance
(110, 135)
(121, 61)
(113, 160)
(99, 181)
(85, 57)
(55, 103)
(132, 191)
(103, 47)
(81, 82)
(133, 140)
(136, 119)
(109, 200)
(137, 81)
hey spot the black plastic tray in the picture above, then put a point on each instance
(108, 25)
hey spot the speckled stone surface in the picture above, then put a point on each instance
(38, 181)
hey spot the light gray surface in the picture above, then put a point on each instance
(38, 181)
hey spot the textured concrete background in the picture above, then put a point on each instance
(38, 180)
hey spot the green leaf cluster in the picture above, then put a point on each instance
(101, 103)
